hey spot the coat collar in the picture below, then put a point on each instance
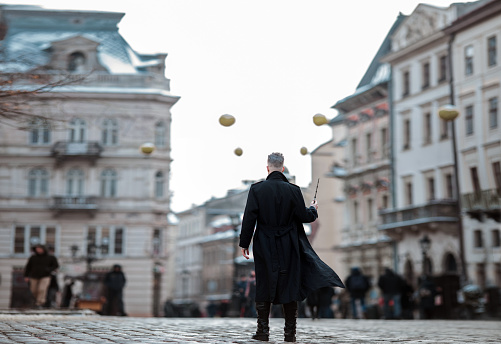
(277, 175)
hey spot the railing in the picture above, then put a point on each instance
(442, 210)
(482, 201)
(74, 203)
(65, 149)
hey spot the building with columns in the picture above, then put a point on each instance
(75, 178)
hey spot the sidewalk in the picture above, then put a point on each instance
(71, 328)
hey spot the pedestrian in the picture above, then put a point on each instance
(38, 271)
(114, 281)
(407, 300)
(313, 302)
(287, 268)
(391, 286)
(357, 285)
(242, 299)
(427, 292)
(250, 295)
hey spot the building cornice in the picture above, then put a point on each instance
(430, 41)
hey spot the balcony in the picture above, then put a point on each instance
(64, 150)
(64, 204)
(430, 216)
(486, 203)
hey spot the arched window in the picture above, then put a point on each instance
(76, 62)
(39, 132)
(78, 130)
(38, 182)
(108, 183)
(450, 263)
(110, 132)
(160, 132)
(159, 184)
(75, 182)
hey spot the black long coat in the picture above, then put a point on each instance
(287, 268)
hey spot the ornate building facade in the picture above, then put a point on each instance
(76, 179)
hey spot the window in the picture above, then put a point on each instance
(368, 146)
(426, 75)
(496, 238)
(474, 180)
(448, 186)
(384, 202)
(75, 182)
(78, 130)
(407, 134)
(431, 188)
(408, 193)
(468, 60)
(355, 212)
(38, 182)
(108, 183)
(469, 120)
(442, 72)
(406, 84)
(493, 113)
(354, 151)
(157, 242)
(478, 240)
(444, 129)
(104, 240)
(496, 172)
(370, 213)
(39, 132)
(159, 184)
(491, 51)
(25, 237)
(427, 128)
(110, 132)
(160, 132)
(384, 142)
(76, 62)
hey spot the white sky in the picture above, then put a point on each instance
(271, 64)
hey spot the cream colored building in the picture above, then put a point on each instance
(326, 230)
(79, 182)
(475, 41)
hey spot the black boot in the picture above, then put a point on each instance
(263, 321)
(290, 315)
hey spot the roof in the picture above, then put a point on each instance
(31, 30)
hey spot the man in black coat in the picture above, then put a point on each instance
(287, 268)
(114, 281)
(38, 272)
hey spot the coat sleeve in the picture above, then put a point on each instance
(303, 214)
(27, 269)
(251, 213)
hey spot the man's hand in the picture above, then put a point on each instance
(245, 253)
(314, 204)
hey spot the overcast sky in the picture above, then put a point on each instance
(271, 64)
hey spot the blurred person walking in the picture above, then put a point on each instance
(287, 268)
(114, 281)
(38, 271)
(357, 285)
(391, 286)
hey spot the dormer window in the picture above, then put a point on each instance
(76, 62)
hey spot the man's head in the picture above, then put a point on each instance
(275, 162)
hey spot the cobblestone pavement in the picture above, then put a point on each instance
(31, 329)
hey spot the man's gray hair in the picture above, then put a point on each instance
(276, 160)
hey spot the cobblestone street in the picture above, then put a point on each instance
(31, 329)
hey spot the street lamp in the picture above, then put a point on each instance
(425, 243)
(449, 113)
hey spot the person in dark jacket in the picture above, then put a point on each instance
(357, 285)
(287, 268)
(427, 293)
(391, 286)
(38, 271)
(115, 283)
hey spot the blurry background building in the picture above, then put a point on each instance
(75, 179)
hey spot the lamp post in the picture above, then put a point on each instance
(425, 243)
(449, 113)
